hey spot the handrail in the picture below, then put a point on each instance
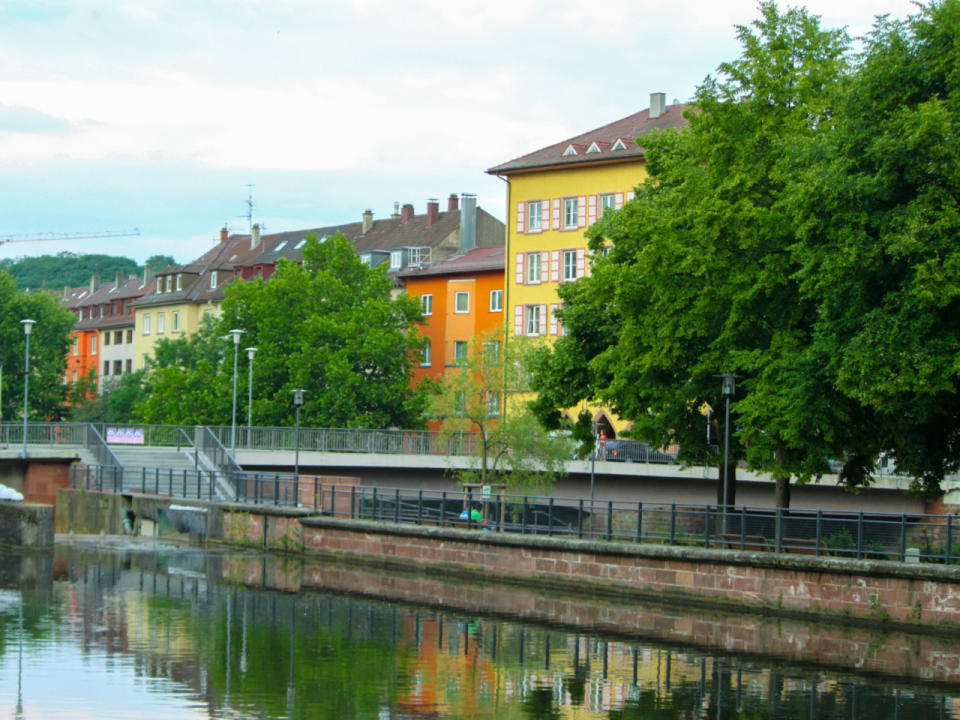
(104, 455)
(217, 454)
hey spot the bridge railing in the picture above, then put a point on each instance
(49, 434)
(860, 535)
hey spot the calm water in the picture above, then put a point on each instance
(146, 632)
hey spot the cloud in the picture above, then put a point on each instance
(21, 119)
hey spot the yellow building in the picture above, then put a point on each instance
(553, 195)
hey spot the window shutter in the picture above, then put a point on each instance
(555, 266)
(592, 209)
(618, 201)
(519, 268)
(553, 319)
(581, 211)
(543, 319)
(518, 320)
(556, 213)
(545, 215)
(544, 266)
(631, 195)
(520, 217)
(581, 262)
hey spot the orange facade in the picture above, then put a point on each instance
(83, 354)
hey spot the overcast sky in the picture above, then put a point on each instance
(158, 114)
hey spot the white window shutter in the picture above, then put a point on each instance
(592, 209)
(553, 319)
(520, 217)
(618, 200)
(581, 211)
(544, 266)
(519, 268)
(555, 266)
(631, 195)
(556, 213)
(581, 262)
(518, 320)
(543, 319)
(545, 214)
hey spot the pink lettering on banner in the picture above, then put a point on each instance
(125, 436)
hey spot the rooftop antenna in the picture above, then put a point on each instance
(249, 215)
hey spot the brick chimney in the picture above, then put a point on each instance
(406, 213)
(223, 234)
(452, 203)
(433, 211)
(367, 221)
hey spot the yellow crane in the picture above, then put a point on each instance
(38, 237)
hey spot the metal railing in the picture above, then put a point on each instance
(101, 451)
(226, 468)
(860, 535)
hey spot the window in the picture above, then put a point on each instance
(460, 401)
(608, 201)
(106, 338)
(179, 281)
(493, 403)
(396, 259)
(76, 346)
(176, 321)
(93, 344)
(146, 324)
(160, 322)
(533, 319)
(129, 336)
(462, 302)
(426, 304)
(459, 352)
(159, 285)
(425, 359)
(570, 213)
(533, 217)
(213, 279)
(74, 376)
(496, 301)
(118, 367)
(533, 268)
(106, 367)
(169, 283)
(491, 351)
(129, 363)
(365, 258)
(569, 265)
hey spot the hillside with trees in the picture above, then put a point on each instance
(53, 272)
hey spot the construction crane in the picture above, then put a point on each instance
(38, 237)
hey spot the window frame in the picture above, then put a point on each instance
(426, 355)
(568, 203)
(426, 304)
(603, 201)
(460, 358)
(496, 300)
(398, 256)
(530, 215)
(565, 276)
(175, 321)
(531, 313)
(534, 262)
(456, 302)
(161, 323)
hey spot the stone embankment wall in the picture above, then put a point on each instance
(918, 595)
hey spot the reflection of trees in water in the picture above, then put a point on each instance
(538, 704)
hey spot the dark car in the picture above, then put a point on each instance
(632, 451)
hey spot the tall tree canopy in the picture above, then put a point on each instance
(749, 250)
(329, 326)
(48, 352)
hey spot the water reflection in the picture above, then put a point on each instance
(144, 632)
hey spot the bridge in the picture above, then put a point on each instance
(390, 458)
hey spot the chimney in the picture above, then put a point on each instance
(658, 104)
(147, 276)
(66, 292)
(406, 212)
(94, 283)
(367, 221)
(396, 209)
(468, 223)
(118, 281)
(433, 211)
(255, 236)
(223, 234)
(452, 204)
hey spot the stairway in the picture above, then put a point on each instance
(163, 470)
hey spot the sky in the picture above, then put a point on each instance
(164, 116)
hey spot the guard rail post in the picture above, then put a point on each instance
(819, 531)
(673, 523)
(949, 539)
(580, 519)
(639, 522)
(609, 519)
(860, 536)
(903, 537)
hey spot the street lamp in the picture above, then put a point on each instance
(297, 403)
(728, 388)
(27, 329)
(251, 351)
(233, 422)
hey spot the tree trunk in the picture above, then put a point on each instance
(782, 496)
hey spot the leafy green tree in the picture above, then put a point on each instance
(700, 280)
(159, 262)
(48, 351)
(483, 396)
(114, 401)
(879, 219)
(66, 268)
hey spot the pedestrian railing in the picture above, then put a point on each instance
(860, 535)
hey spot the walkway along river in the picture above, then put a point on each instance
(904, 595)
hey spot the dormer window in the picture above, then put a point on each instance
(304, 242)
(571, 150)
(396, 259)
(618, 145)
(159, 285)
(593, 148)
(213, 280)
(280, 246)
(169, 283)
(179, 281)
(365, 258)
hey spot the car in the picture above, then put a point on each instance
(632, 451)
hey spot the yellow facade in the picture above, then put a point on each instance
(154, 322)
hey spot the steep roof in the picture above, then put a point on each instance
(611, 143)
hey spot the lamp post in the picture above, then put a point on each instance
(233, 422)
(297, 403)
(728, 388)
(27, 329)
(251, 351)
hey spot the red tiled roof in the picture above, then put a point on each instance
(626, 130)
(476, 260)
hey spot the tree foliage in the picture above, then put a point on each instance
(800, 234)
(48, 351)
(329, 326)
(53, 272)
(485, 396)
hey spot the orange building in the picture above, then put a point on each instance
(462, 299)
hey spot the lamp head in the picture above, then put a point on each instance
(729, 384)
(251, 351)
(28, 326)
(298, 396)
(236, 336)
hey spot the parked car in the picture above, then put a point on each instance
(632, 451)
